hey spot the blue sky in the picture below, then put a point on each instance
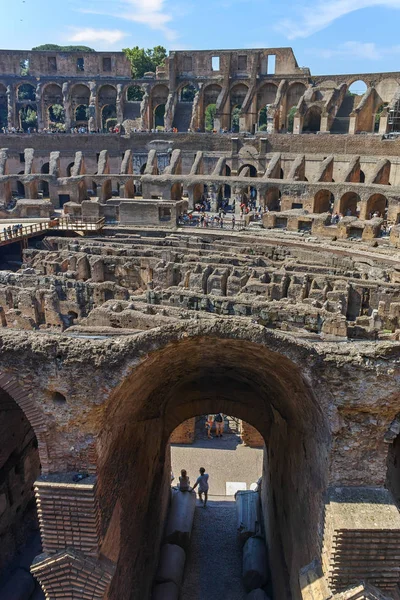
(329, 36)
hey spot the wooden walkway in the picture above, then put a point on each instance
(9, 235)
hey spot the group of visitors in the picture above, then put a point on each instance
(219, 422)
(201, 483)
(12, 231)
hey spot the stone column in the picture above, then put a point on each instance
(383, 121)
(11, 107)
(145, 108)
(298, 124)
(324, 127)
(93, 108)
(120, 104)
(69, 526)
(39, 106)
(67, 106)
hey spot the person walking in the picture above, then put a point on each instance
(219, 424)
(202, 482)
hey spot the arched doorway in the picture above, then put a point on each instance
(210, 96)
(204, 374)
(273, 199)
(80, 98)
(159, 114)
(108, 117)
(44, 185)
(376, 205)
(349, 204)
(20, 467)
(323, 201)
(312, 120)
(237, 97)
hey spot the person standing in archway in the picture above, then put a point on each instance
(219, 424)
(202, 482)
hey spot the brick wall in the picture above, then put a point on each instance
(184, 433)
(251, 437)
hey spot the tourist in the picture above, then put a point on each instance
(233, 222)
(184, 482)
(5, 233)
(202, 482)
(219, 424)
(209, 423)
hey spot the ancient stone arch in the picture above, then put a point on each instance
(29, 407)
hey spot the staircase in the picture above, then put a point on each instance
(183, 116)
(342, 120)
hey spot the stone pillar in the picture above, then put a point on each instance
(120, 104)
(69, 526)
(324, 123)
(11, 107)
(298, 124)
(93, 121)
(213, 198)
(383, 121)
(145, 108)
(39, 106)
(353, 124)
(67, 106)
(271, 119)
(195, 120)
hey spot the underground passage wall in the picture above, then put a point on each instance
(193, 377)
(19, 468)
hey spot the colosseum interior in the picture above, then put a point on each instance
(125, 313)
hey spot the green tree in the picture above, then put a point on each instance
(143, 60)
(28, 118)
(57, 48)
(235, 118)
(135, 94)
(57, 113)
(291, 114)
(210, 116)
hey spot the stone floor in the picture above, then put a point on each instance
(214, 562)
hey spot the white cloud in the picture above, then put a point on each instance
(88, 34)
(151, 13)
(362, 50)
(314, 17)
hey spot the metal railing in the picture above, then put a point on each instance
(227, 224)
(14, 233)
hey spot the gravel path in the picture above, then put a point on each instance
(214, 562)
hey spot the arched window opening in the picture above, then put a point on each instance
(323, 201)
(235, 119)
(349, 204)
(357, 88)
(187, 93)
(377, 206)
(312, 120)
(82, 115)
(56, 117)
(394, 117)
(109, 117)
(26, 93)
(159, 114)
(28, 117)
(210, 112)
(20, 467)
(134, 93)
(273, 199)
